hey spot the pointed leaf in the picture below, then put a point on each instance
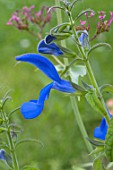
(97, 46)
(76, 72)
(28, 140)
(106, 88)
(83, 12)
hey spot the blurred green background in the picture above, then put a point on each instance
(56, 127)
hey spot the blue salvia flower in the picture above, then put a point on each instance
(46, 46)
(84, 40)
(2, 154)
(101, 131)
(33, 108)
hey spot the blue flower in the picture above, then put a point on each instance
(46, 47)
(33, 108)
(49, 38)
(84, 39)
(101, 131)
(2, 154)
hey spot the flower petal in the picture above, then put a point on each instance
(44, 93)
(101, 131)
(52, 48)
(64, 86)
(2, 154)
(84, 39)
(49, 38)
(33, 108)
(42, 63)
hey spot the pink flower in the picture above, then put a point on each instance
(92, 14)
(9, 23)
(111, 19)
(82, 22)
(101, 17)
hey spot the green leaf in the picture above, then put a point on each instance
(83, 12)
(59, 28)
(76, 72)
(98, 165)
(97, 46)
(95, 102)
(28, 140)
(106, 88)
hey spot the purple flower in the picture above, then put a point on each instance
(33, 108)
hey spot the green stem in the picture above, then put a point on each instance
(73, 99)
(10, 142)
(89, 69)
(80, 123)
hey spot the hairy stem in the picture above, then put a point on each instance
(73, 99)
(10, 142)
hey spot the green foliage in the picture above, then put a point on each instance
(77, 72)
